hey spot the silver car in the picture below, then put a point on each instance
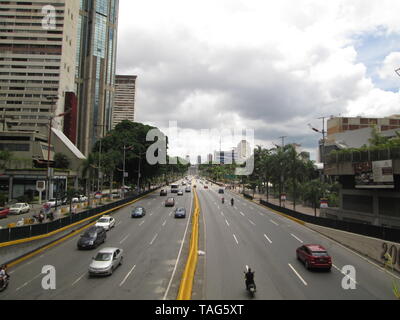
(106, 261)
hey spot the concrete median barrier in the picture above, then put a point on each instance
(375, 249)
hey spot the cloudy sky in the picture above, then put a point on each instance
(270, 66)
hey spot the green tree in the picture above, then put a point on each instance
(61, 161)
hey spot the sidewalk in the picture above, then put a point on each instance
(288, 205)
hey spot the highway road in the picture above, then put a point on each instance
(250, 235)
(151, 248)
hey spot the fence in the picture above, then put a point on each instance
(380, 232)
(25, 232)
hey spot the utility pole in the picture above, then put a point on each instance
(99, 176)
(283, 141)
(49, 189)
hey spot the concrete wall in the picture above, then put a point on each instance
(370, 247)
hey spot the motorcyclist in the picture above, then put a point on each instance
(223, 200)
(249, 276)
(232, 202)
(3, 274)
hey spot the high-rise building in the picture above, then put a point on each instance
(124, 102)
(37, 62)
(199, 160)
(243, 150)
(210, 158)
(96, 65)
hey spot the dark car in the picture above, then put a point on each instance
(138, 212)
(180, 213)
(163, 193)
(221, 191)
(92, 238)
(4, 212)
(170, 202)
(314, 256)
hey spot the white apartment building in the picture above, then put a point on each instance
(37, 60)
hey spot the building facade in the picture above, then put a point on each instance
(37, 62)
(341, 125)
(125, 97)
(95, 72)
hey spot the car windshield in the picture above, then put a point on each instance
(103, 256)
(104, 220)
(90, 234)
(320, 254)
(18, 205)
(138, 210)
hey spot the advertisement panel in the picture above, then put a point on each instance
(374, 175)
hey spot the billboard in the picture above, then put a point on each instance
(374, 175)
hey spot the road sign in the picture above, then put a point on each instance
(40, 186)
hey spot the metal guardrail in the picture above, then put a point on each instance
(26, 232)
(379, 232)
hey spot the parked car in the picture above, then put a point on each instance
(79, 199)
(170, 202)
(314, 256)
(106, 222)
(163, 193)
(4, 212)
(138, 212)
(92, 238)
(106, 261)
(98, 195)
(19, 208)
(180, 213)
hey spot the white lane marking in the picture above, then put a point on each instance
(119, 223)
(252, 222)
(165, 222)
(269, 240)
(301, 241)
(127, 276)
(142, 223)
(154, 239)
(79, 279)
(227, 223)
(298, 275)
(242, 214)
(351, 279)
(222, 214)
(236, 239)
(124, 239)
(170, 214)
(28, 282)
(274, 222)
(180, 252)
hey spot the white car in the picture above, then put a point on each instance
(79, 199)
(106, 222)
(106, 261)
(20, 208)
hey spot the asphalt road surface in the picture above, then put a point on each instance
(250, 235)
(151, 247)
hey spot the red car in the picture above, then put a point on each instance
(4, 212)
(314, 256)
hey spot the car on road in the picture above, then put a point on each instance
(188, 190)
(98, 195)
(163, 193)
(106, 222)
(92, 238)
(79, 199)
(4, 212)
(180, 213)
(20, 208)
(106, 261)
(206, 187)
(314, 257)
(138, 212)
(221, 191)
(180, 193)
(170, 202)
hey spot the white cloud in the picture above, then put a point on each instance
(274, 66)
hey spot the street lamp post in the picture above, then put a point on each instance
(49, 189)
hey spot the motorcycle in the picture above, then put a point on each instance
(232, 202)
(223, 201)
(250, 287)
(3, 283)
